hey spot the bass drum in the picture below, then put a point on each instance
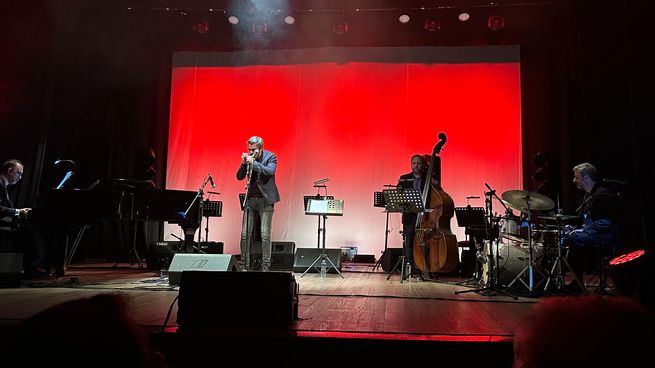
(511, 259)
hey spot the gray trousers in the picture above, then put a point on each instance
(265, 210)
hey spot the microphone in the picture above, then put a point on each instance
(318, 182)
(254, 154)
(211, 181)
(615, 181)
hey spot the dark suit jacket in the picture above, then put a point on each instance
(265, 168)
(7, 210)
(406, 182)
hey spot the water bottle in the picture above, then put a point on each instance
(323, 268)
(408, 272)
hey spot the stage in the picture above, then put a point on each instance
(360, 317)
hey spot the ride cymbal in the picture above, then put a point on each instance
(525, 201)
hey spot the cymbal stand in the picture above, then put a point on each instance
(529, 268)
(492, 280)
(556, 271)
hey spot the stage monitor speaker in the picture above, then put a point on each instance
(389, 258)
(199, 262)
(11, 268)
(281, 255)
(237, 300)
(306, 256)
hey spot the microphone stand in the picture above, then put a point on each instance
(247, 215)
(492, 281)
(199, 194)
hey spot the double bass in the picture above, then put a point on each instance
(435, 245)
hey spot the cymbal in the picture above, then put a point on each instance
(523, 199)
(560, 217)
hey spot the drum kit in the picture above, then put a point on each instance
(529, 250)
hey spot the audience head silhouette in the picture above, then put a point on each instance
(585, 331)
(95, 331)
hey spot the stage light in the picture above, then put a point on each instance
(628, 272)
(289, 19)
(200, 27)
(259, 28)
(404, 18)
(495, 22)
(340, 27)
(464, 16)
(432, 25)
(233, 19)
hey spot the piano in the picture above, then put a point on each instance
(69, 209)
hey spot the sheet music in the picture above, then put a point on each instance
(332, 207)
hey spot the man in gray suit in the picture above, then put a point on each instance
(258, 166)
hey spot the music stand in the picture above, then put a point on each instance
(378, 201)
(472, 219)
(318, 229)
(324, 208)
(492, 280)
(210, 209)
(403, 201)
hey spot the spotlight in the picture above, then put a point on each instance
(200, 27)
(464, 16)
(289, 19)
(259, 28)
(432, 25)
(340, 27)
(233, 19)
(404, 18)
(628, 272)
(496, 22)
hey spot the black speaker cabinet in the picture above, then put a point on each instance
(161, 254)
(237, 300)
(390, 257)
(183, 262)
(281, 255)
(306, 256)
(11, 269)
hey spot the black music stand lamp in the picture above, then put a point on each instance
(403, 201)
(323, 208)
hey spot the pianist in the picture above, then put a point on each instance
(258, 166)
(15, 234)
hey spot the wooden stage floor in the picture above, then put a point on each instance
(361, 306)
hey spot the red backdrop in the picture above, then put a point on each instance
(355, 120)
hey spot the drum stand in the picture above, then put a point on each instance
(556, 271)
(492, 281)
(530, 267)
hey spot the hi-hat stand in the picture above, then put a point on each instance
(491, 225)
(323, 208)
(530, 267)
(557, 272)
(402, 200)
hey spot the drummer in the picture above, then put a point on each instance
(594, 231)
